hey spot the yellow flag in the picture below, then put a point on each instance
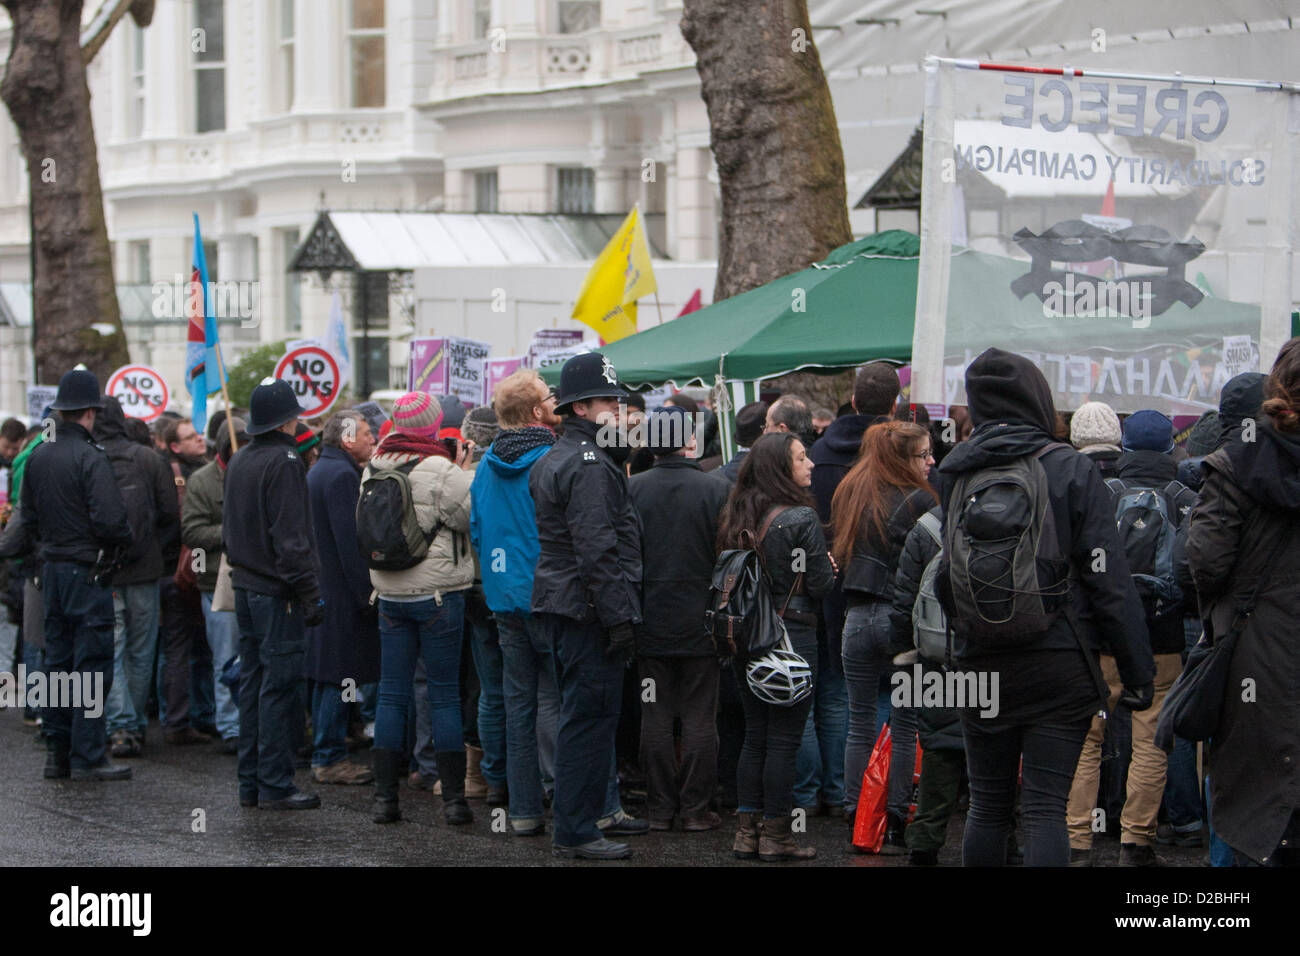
(620, 275)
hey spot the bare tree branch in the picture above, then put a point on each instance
(101, 25)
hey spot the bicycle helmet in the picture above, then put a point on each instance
(780, 677)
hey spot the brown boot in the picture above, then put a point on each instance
(776, 843)
(746, 845)
(476, 788)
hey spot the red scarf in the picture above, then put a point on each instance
(400, 443)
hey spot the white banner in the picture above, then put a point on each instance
(1131, 236)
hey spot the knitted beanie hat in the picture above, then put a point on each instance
(480, 425)
(1148, 430)
(1095, 423)
(417, 413)
(306, 438)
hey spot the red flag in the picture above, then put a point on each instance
(692, 305)
(1108, 204)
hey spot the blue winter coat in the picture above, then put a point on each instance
(503, 529)
(346, 645)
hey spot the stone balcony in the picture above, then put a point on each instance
(527, 64)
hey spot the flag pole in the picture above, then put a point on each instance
(659, 308)
(225, 397)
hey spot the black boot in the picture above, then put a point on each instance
(57, 762)
(385, 762)
(451, 772)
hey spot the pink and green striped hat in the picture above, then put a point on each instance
(417, 413)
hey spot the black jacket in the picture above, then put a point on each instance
(679, 506)
(588, 532)
(1106, 460)
(266, 529)
(938, 727)
(834, 454)
(71, 506)
(1011, 406)
(142, 466)
(870, 573)
(1249, 505)
(1152, 469)
(795, 540)
(731, 470)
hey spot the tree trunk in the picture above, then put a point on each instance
(774, 138)
(776, 146)
(45, 90)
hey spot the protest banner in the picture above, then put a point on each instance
(1128, 234)
(498, 369)
(466, 369)
(314, 375)
(140, 390)
(426, 368)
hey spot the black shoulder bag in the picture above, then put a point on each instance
(1191, 709)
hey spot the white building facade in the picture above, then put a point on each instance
(257, 114)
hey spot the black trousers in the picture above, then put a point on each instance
(183, 639)
(684, 688)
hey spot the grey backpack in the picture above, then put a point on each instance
(1009, 573)
(930, 632)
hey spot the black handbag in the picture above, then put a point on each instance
(1191, 709)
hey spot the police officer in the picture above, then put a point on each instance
(586, 594)
(266, 533)
(71, 506)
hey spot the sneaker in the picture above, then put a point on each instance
(123, 744)
(1137, 854)
(622, 824)
(344, 773)
(533, 826)
(1166, 835)
(599, 849)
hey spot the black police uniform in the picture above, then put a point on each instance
(266, 534)
(586, 594)
(71, 506)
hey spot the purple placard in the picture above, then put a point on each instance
(427, 366)
(498, 369)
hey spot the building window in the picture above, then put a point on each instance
(482, 18)
(140, 266)
(576, 190)
(577, 16)
(485, 191)
(292, 286)
(286, 34)
(366, 41)
(136, 112)
(208, 42)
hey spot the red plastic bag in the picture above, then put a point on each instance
(870, 823)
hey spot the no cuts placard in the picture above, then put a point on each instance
(314, 374)
(140, 390)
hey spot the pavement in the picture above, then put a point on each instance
(181, 809)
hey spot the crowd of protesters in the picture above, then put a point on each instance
(535, 634)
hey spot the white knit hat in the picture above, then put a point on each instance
(1095, 423)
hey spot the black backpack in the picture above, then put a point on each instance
(388, 531)
(1148, 520)
(741, 617)
(133, 484)
(1009, 573)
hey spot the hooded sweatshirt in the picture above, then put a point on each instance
(1011, 407)
(502, 519)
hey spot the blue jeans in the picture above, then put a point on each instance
(135, 639)
(369, 701)
(485, 645)
(591, 692)
(431, 629)
(531, 708)
(819, 765)
(866, 660)
(78, 639)
(1182, 790)
(422, 752)
(223, 639)
(329, 723)
(272, 652)
(1050, 753)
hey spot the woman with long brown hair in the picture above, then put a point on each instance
(771, 500)
(1244, 538)
(874, 508)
